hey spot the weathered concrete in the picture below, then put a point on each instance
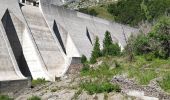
(81, 28)
(9, 58)
(13, 86)
(52, 55)
(43, 42)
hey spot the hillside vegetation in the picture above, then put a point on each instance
(130, 12)
(146, 58)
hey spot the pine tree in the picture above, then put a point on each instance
(106, 43)
(110, 48)
(96, 53)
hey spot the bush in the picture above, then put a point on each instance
(5, 97)
(83, 59)
(34, 98)
(38, 81)
(141, 45)
(97, 87)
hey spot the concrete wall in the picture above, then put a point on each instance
(13, 86)
(82, 28)
(43, 42)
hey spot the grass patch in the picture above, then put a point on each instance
(38, 81)
(102, 12)
(34, 98)
(165, 82)
(5, 97)
(98, 11)
(101, 72)
(99, 87)
(143, 77)
(143, 70)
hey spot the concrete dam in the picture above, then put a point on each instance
(41, 40)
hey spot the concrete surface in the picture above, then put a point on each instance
(79, 25)
(42, 42)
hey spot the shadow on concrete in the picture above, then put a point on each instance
(15, 44)
(57, 33)
(88, 36)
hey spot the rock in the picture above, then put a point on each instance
(85, 96)
(112, 96)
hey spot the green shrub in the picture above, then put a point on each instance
(83, 59)
(38, 81)
(97, 87)
(34, 98)
(5, 97)
(141, 45)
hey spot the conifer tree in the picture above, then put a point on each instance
(106, 43)
(110, 48)
(96, 53)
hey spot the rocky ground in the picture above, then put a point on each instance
(67, 88)
(149, 92)
(86, 3)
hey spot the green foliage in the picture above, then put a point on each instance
(127, 11)
(134, 11)
(34, 98)
(157, 8)
(103, 69)
(5, 97)
(161, 34)
(96, 53)
(108, 47)
(85, 68)
(116, 64)
(141, 45)
(38, 81)
(88, 11)
(164, 83)
(83, 59)
(149, 56)
(156, 42)
(99, 87)
(145, 10)
(114, 50)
